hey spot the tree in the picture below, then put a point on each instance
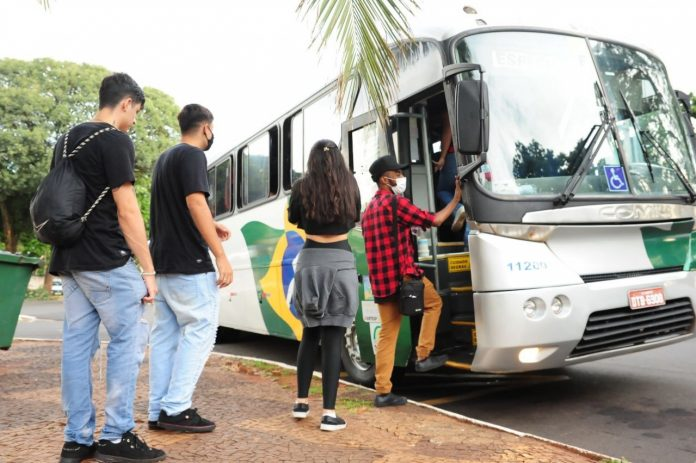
(363, 31)
(39, 101)
(533, 160)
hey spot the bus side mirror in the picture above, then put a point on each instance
(467, 106)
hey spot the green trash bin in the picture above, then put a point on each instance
(15, 271)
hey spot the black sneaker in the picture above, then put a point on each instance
(300, 410)
(430, 363)
(332, 423)
(74, 453)
(389, 400)
(130, 449)
(153, 426)
(186, 421)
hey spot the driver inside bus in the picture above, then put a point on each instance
(386, 270)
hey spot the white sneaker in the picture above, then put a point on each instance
(459, 219)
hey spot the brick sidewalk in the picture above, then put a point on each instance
(251, 402)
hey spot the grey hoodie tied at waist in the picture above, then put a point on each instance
(326, 287)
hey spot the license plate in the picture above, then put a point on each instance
(644, 298)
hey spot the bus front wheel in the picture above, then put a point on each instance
(358, 371)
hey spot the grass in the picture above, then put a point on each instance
(352, 404)
(266, 369)
(40, 295)
(353, 400)
(614, 460)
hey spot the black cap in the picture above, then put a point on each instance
(383, 164)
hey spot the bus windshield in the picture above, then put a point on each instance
(545, 93)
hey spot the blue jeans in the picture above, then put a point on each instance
(445, 187)
(112, 297)
(183, 334)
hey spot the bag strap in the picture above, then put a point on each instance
(83, 142)
(75, 151)
(395, 204)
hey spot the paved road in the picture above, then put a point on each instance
(639, 406)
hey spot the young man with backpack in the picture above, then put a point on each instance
(101, 282)
(182, 230)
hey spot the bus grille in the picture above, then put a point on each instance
(619, 275)
(616, 328)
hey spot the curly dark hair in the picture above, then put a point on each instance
(328, 189)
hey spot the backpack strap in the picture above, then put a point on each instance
(97, 201)
(74, 152)
(83, 142)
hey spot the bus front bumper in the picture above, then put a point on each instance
(509, 341)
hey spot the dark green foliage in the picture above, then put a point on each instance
(39, 101)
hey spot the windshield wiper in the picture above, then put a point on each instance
(597, 135)
(632, 116)
(680, 174)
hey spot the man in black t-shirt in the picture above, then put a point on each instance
(101, 282)
(186, 308)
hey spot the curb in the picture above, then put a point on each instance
(457, 416)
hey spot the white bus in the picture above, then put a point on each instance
(578, 175)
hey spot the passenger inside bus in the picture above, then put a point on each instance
(445, 170)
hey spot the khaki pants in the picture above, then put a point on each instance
(391, 322)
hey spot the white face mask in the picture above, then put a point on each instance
(400, 186)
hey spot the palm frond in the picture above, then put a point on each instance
(363, 31)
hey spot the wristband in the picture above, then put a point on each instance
(148, 274)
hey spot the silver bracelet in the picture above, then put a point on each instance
(148, 274)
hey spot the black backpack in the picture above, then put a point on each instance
(58, 208)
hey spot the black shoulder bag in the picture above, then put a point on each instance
(409, 291)
(58, 208)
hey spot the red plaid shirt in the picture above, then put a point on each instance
(379, 241)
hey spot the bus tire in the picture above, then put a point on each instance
(358, 372)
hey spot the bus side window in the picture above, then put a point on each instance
(364, 150)
(223, 188)
(297, 148)
(321, 122)
(211, 189)
(293, 150)
(259, 168)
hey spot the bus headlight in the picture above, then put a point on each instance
(534, 308)
(560, 306)
(535, 354)
(529, 355)
(556, 305)
(538, 233)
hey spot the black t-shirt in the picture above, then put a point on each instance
(175, 243)
(298, 215)
(107, 160)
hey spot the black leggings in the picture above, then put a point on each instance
(332, 339)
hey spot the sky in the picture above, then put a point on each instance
(250, 61)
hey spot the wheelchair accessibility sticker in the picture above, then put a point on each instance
(616, 178)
